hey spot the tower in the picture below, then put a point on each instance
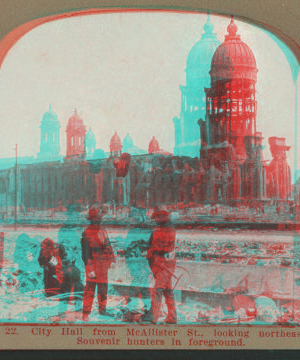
(50, 128)
(90, 143)
(75, 135)
(229, 138)
(230, 101)
(187, 138)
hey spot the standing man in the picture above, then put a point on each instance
(97, 255)
(162, 261)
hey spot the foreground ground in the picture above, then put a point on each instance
(214, 267)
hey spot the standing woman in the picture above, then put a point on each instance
(97, 255)
(70, 254)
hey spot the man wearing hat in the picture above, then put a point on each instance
(162, 261)
(97, 255)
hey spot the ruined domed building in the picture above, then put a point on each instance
(187, 139)
(231, 146)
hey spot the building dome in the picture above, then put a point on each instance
(50, 115)
(75, 120)
(233, 59)
(153, 146)
(127, 142)
(115, 143)
(202, 52)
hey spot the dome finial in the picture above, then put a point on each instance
(232, 28)
(208, 26)
(50, 115)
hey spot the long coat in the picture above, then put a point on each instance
(161, 254)
(97, 253)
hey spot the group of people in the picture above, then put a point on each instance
(62, 276)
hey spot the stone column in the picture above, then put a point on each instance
(279, 167)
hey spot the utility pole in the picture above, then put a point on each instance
(16, 192)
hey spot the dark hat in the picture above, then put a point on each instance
(94, 214)
(161, 215)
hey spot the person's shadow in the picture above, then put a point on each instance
(137, 264)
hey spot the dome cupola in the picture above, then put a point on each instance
(201, 53)
(75, 120)
(50, 115)
(115, 145)
(153, 146)
(127, 142)
(233, 59)
(187, 137)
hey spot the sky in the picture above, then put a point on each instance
(122, 73)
